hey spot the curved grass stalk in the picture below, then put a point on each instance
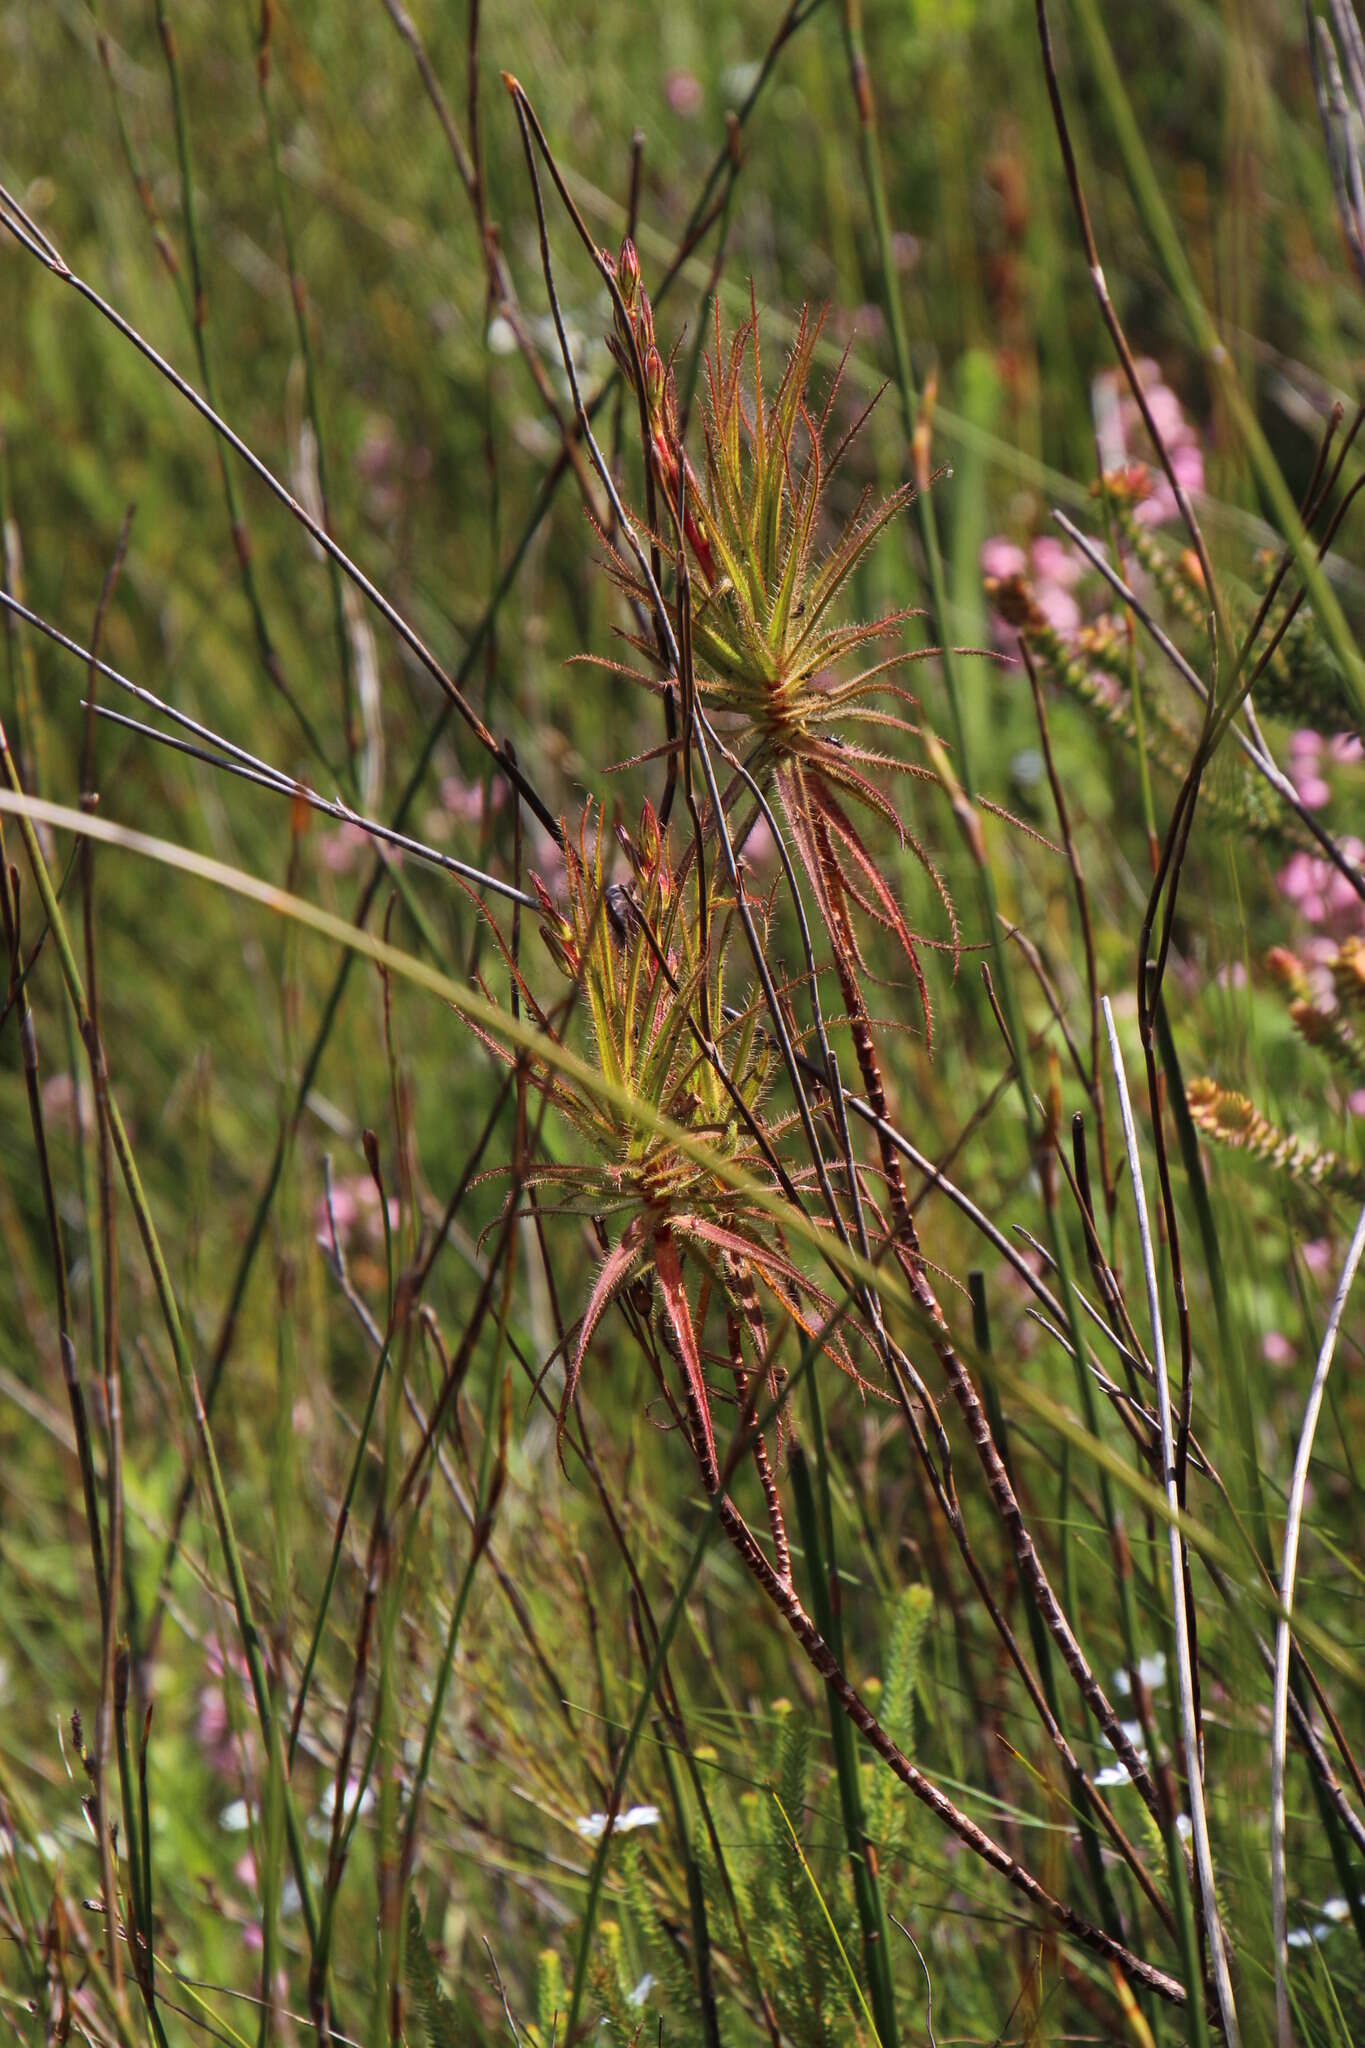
(267, 893)
(852, 1266)
(263, 892)
(481, 1012)
(1151, 1499)
(1293, 1526)
(476, 1009)
(1215, 1939)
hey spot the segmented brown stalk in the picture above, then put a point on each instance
(824, 1662)
(964, 1391)
(762, 1464)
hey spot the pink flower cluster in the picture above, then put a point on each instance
(1053, 570)
(1309, 753)
(1312, 885)
(1324, 898)
(1316, 889)
(1123, 438)
(1048, 566)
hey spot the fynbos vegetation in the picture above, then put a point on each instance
(678, 1360)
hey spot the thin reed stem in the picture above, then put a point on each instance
(1215, 1938)
(1293, 1528)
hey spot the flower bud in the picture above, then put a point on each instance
(654, 380)
(1287, 970)
(561, 945)
(650, 839)
(628, 272)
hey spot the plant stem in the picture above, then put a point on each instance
(822, 1567)
(170, 1314)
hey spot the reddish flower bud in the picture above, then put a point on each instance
(628, 272)
(697, 541)
(1287, 970)
(562, 946)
